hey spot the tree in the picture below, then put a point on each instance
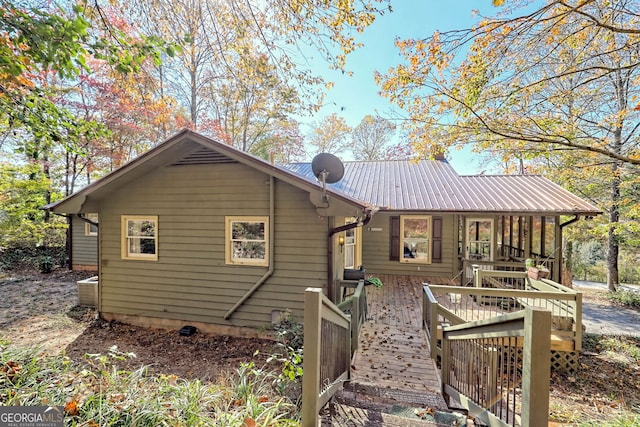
(284, 143)
(331, 135)
(560, 82)
(237, 66)
(22, 220)
(371, 138)
(41, 41)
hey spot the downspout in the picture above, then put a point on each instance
(569, 222)
(559, 244)
(334, 230)
(269, 272)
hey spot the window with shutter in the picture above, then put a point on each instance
(436, 255)
(394, 238)
(415, 238)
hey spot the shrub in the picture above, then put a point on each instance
(44, 259)
(625, 297)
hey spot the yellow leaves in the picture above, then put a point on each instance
(498, 3)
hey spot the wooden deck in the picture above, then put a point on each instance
(393, 353)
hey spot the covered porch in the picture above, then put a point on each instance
(504, 242)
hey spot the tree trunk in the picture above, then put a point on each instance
(613, 241)
(567, 271)
(47, 194)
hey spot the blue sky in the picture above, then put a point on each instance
(353, 97)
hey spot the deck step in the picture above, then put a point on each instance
(356, 416)
(367, 392)
(367, 406)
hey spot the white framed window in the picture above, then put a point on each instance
(415, 238)
(246, 240)
(350, 245)
(91, 229)
(140, 237)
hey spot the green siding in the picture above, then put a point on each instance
(375, 249)
(84, 248)
(190, 281)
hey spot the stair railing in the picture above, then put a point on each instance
(496, 367)
(329, 335)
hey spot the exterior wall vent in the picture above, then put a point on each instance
(204, 156)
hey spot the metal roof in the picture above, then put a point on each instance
(433, 185)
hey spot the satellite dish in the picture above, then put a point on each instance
(327, 168)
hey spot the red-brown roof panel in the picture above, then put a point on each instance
(433, 185)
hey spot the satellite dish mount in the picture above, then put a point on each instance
(328, 169)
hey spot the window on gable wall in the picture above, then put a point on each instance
(246, 240)
(91, 229)
(140, 237)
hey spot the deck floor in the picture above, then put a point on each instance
(393, 351)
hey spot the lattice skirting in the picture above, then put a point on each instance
(563, 361)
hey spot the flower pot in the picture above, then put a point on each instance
(537, 273)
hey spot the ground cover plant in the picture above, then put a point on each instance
(99, 392)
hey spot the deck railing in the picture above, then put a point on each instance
(565, 305)
(355, 305)
(489, 367)
(469, 266)
(330, 338)
(454, 305)
(499, 279)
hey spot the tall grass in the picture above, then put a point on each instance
(97, 392)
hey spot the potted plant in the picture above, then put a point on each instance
(534, 271)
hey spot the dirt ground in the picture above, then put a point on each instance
(41, 310)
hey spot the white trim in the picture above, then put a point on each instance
(125, 238)
(351, 247)
(87, 226)
(429, 240)
(490, 242)
(229, 256)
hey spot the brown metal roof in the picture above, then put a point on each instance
(433, 185)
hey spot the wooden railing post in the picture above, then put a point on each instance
(433, 330)
(355, 322)
(578, 322)
(311, 363)
(536, 368)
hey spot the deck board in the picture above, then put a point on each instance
(393, 349)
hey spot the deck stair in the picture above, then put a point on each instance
(394, 381)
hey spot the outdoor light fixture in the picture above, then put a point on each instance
(341, 241)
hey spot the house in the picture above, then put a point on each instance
(196, 232)
(84, 237)
(430, 219)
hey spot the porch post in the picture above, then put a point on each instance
(558, 247)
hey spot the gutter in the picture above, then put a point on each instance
(271, 269)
